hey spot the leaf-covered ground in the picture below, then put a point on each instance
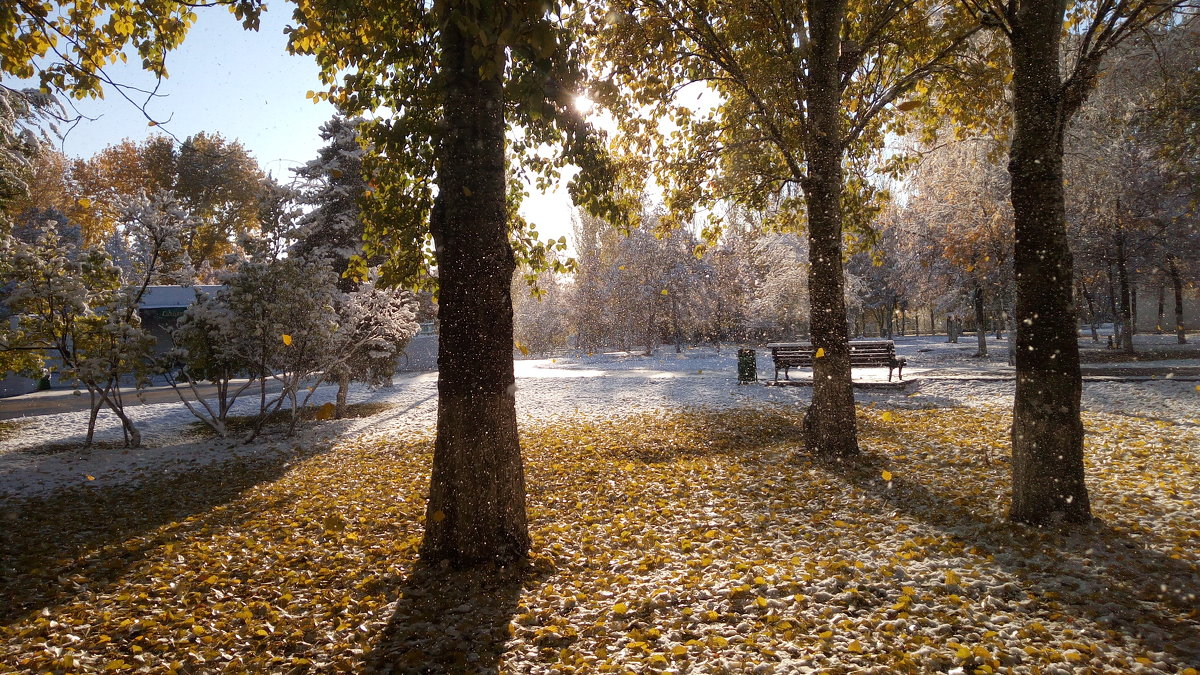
(690, 542)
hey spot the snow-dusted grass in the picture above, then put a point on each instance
(598, 386)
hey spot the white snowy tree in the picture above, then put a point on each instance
(332, 185)
(374, 325)
(72, 305)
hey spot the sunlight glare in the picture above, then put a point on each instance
(584, 104)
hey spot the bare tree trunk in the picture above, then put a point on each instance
(1123, 282)
(476, 510)
(1112, 301)
(1087, 296)
(93, 412)
(980, 333)
(1162, 308)
(343, 382)
(1177, 286)
(1047, 431)
(831, 429)
(1133, 312)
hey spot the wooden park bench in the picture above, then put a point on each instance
(863, 353)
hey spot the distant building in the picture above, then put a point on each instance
(161, 307)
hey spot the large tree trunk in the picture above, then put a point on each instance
(980, 333)
(1047, 432)
(830, 429)
(1177, 286)
(476, 510)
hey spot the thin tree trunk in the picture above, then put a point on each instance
(1133, 312)
(343, 382)
(980, 333)
(1112, 301)
(830, 428)
(1162, 308)
(1123, 284)
(476, 510)
(93, 412)
(1087, 296)
(1177, 286)
(1047, 431)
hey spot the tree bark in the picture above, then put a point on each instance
(1047, 432)
(1177, 286)
(476, 511)
(980, 333)
(831, 430)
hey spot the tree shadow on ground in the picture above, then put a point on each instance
(451, 621)
(1094, 571)
(56, 547)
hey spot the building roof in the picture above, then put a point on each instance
(164, 297)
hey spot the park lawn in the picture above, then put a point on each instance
(691, 541)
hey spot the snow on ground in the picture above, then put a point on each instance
(940, 374)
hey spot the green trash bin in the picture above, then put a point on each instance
(747, 366)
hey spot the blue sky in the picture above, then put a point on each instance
(245, 86)
(223, 79)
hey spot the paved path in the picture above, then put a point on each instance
(65, 400)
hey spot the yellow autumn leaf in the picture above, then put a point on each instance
(664, 292)
(887, 416)
(963, 653)
(287, 339)
(325, 411)
(905, 106)
(855, 646)
(521, 347)
(820, 353)
(887, 475)
(84, 202)
(90, 476)
(678, 650)
(825, 635)
(620, 608)
(439, 516)
(952, 577)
